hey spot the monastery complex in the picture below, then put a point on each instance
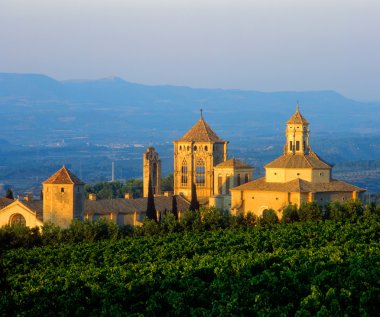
(200, 161)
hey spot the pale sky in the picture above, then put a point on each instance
(265, 45)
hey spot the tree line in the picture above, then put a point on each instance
(203, 219)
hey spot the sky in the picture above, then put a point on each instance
(264, 45)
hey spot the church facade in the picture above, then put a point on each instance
(297, 176)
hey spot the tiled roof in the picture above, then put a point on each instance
(297, 118)
(36, 206)
(4, 202)
(120, 205)
(201, 132)
(299, 185)
(233, 162)
(291, 160)
(63, 176)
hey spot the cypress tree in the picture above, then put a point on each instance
(194, 204)
(174, 207)
(151, 208)
(9, 194)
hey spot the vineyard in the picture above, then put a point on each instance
(324, 268)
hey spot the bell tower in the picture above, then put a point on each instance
(152, 169)
(297, 134)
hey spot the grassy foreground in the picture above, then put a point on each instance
(313, 268)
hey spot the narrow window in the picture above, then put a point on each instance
(206, 148)
(238, 180)
(200, 172)
(220, 184)
(246, 178)
(184, 173)
(297, 145)
(62, 190)
(291, 146)
(228, 184)
(195, 147)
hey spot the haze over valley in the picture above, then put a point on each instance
(87, 124)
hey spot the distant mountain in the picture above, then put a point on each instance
(37, 109)
(87, 124)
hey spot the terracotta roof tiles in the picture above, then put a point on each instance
(63, 176)
(233, 162)
(310, 160)
(201, 132)
(299, 185)
(120, 205)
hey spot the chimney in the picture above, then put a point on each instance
(28, 198)
(92, 196)
(128, 196)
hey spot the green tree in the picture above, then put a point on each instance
(194, 204)
(9, 194)
(290, 214)
(151, 208)
(268, 217)
(310, 211)
(174, 207)
(167, 183)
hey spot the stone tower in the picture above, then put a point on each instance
(63, 198)
(195, 156)
(297, 134)
(152, 169)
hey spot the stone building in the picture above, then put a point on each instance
(152, 169)
(298, 176)
(63, 198)
(195, 156)
(227, 175)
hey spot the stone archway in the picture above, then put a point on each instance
(17, 219)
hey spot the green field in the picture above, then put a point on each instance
(314, 268)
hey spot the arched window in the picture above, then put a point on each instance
(246, 178)
(17, 219)
(238, 180)
(184, 173)
(200, 172)
(195, 147)
(206, 148)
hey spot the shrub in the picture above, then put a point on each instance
(310, 212)
(290, 214)
(269, 217)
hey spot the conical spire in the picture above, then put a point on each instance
(297, 117)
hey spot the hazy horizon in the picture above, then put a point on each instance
(249, 45)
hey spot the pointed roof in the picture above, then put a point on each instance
(299, 185)
(297, 117)
(290, 160)
(63, 176)
(235, 163)
(201, 132)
